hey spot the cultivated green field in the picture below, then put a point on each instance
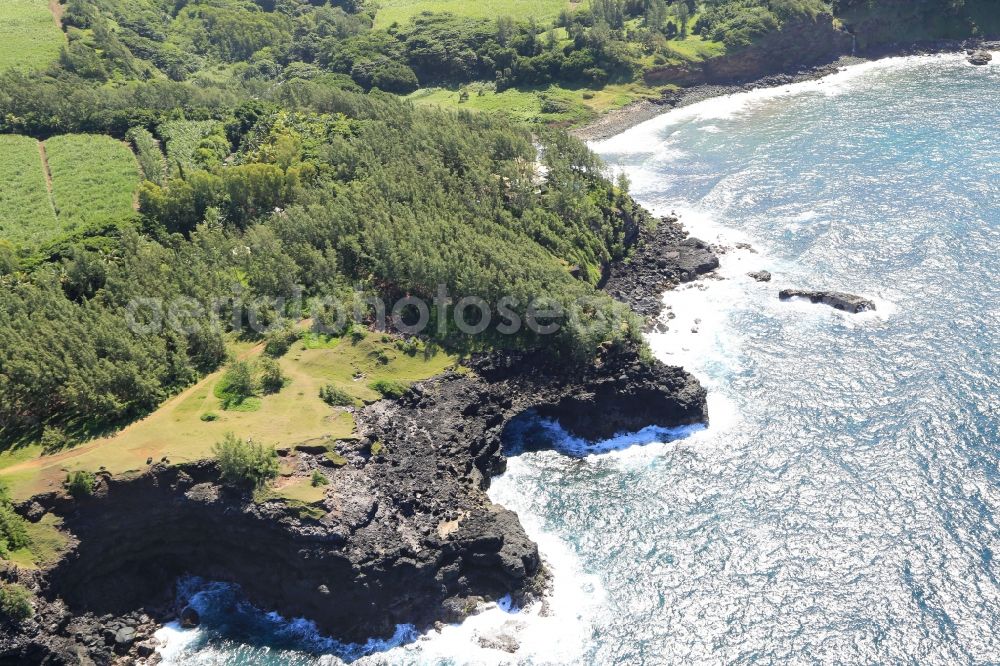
(401, 11)
(26, 213)
(94, 178)
(29, 36)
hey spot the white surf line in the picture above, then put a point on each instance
(643, 137)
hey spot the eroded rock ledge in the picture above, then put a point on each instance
(408, 534)
(662, 257)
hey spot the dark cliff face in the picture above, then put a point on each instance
(798, 44)
(409, 534)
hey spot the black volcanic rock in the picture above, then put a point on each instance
(695, 257)
(661, 258)
(835, 299)
(980, 58)
(760, 276)
(190, 618)
(406, 536)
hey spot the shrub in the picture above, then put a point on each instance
(245, 464)
(53, 439)
(279, 342)
(335, 397)
(319, 479)
(80, 483)
(236, 385)
(15, 602)
(272, 379)
(389, 388)
(208, 417)
(13, 530)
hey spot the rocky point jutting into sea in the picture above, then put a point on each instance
(407, 533)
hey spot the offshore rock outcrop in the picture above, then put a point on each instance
(407, 533)
(980, 57)
(835, 299)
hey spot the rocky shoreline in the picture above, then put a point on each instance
(615, 122)
(406, 534)
(662, 257)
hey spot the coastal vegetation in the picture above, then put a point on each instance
(902, 21)
(28, 544)
(244, 463)
(15, 602)
(183, 178)
(13, 528)
(80, 483)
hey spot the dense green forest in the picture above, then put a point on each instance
(314, 191)
(269, 40)
(279, 165)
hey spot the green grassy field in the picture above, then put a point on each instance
(29, 36)
(401, 11)
(295, 415)
(696, 48)
(26, 213)
(94, 178)
(552, 104)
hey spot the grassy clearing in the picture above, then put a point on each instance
(94, 178)
(26, 213)
(551, 104)
(401, 11)
(29, 36)
(695, 48)
(299, 489)
(46, 545)
(295, 415)
(353, 366)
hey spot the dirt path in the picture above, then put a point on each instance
(57, 12)
(48, 175)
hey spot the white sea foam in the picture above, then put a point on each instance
(553, 632)
(172, 641)
(646, 137)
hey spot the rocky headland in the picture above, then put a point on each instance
(406, 532)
